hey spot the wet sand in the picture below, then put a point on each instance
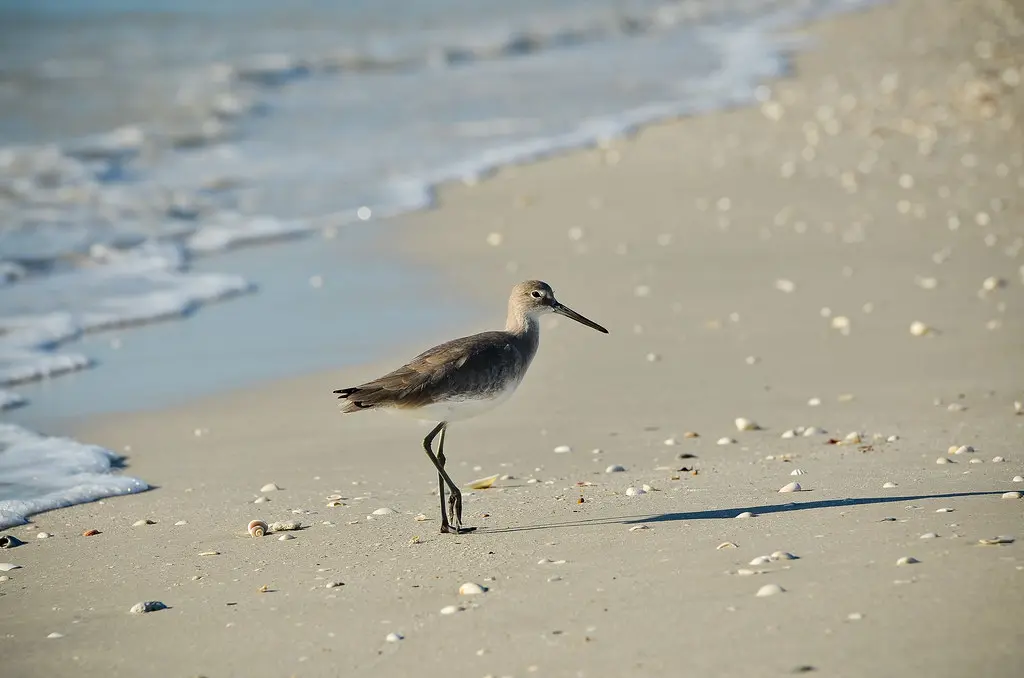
(766, 263)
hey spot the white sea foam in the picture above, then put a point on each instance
(39, 473)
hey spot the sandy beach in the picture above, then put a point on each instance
(840, 265)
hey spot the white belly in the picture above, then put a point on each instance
(458, 410)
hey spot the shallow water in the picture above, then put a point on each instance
(144, 146)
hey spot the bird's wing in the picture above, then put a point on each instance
(478, 363)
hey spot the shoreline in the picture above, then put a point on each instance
(710, 247)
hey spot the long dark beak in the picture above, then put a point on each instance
(561, 309)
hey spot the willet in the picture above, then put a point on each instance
(463, 378)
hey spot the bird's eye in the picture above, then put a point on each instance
(537, 294)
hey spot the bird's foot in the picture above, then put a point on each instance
(448, 529)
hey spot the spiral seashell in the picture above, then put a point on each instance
(258, 528)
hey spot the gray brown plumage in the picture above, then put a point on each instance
(462, 378)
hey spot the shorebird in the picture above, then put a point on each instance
(463, 378)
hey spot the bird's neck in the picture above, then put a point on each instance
(521, 324)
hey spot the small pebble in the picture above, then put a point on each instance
(907, 560)
(769, 590)
(814, 402)
(285, 526)
(148, 606)
(814, 431)
(671, 441)
(789, 433)
(855, 616)
(791, 487)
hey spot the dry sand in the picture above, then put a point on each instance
(894, 157)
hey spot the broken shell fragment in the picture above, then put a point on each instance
(258, 528)
(744, 424)
(791, 487)
(471, 589)
(91, 533)
(483, 483)
(726, 545)
(769, 590)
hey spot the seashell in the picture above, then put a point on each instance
(813, 402)
(562, 449)
(907, 560)
(181, 522)
(919, 329)
(814, 431)
(852, 438)
(691, 434)
(783, 555)
(334, 497)
(992, 283)
(996, 541)
(670, 442)
(285, 526)
(260, 500)
(471, 589)
(634, 491)
(726, 441)
(450, 609)
(976, 461)
(963, 449)
(744, 424)
(615, 468)
(636, 528)
(789, 433)
(420, 517)
(43, 535)
(55, 635)
(892, 439)
(9, 541)
(646, 488)
(761, 560)
(888, 486)
(147, 606)
(1012, 495)
(270, 487)
(745, 514)
(1018, 407)
(91, 533)
(209, 553)
(943, 460)
(929, 535)
(855, 616)
(998, 460)
(258, 528)
(146, 521)
(7, 567)
(285, 537)
(944, 510)
(1018, 479)
(384, 511)
(483, 483)
(769, 590)
(394, 637)
(797, 472)
(726, 545)
(333, 584)
(334, 504)
(791, 487)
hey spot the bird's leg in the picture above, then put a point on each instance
(440, 479)
(445, 527)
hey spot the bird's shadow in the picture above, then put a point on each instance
(719, 514)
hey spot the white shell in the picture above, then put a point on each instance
(797, 472)
(147, 606)
(634, 491)
(744, 424)
(888, 486)
(943, 460)
(636, 528)
(892, 439)
(285, 537)
(1018, 479)
(745, 514)
(258, 528)
(997, 460)
(270, 487)
(907, 560)
(1012, 495)
(562, 449)
(928, 535)
(143, 522)
(853, 437)
(789, 433)
(769, 590)
(393, 637)
(450, 609)
(726, 441)
(671, 441)
(791, 487)
(482, 483)
(963, 449)
(814, 431)
(7, 567)
(761, 560)
(783, 555)
(615, 468)
(43, 535)
(726, 545)
(976, 461)
(471, 589)
(919, 329)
